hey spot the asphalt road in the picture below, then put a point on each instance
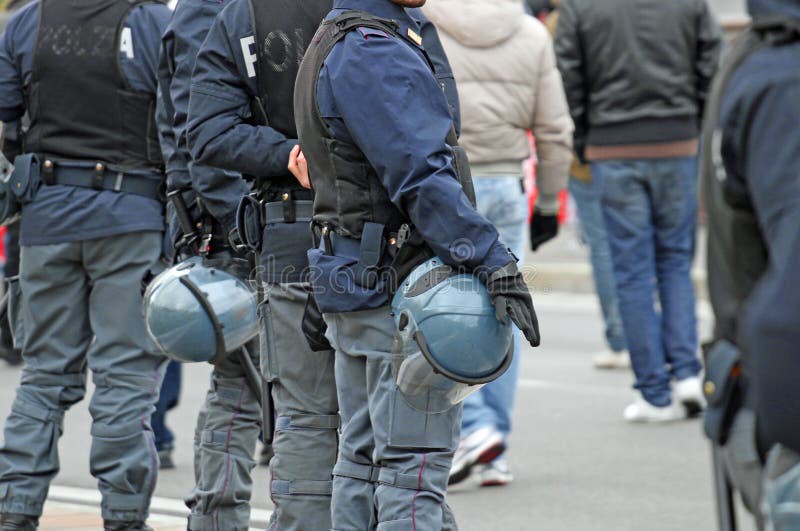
(578, 466)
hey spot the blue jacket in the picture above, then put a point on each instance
(223, 85)
(65, 213)
(761, 151)
(180, 44)
(220, 132)
(378, 93)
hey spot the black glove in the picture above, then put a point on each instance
(511, 298)
(543, 228)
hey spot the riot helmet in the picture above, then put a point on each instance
(197, 312)
(449, 342)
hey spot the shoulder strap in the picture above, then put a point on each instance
(257, 106)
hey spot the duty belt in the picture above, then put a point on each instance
(287, 211)
(99, 176)
(253, 215)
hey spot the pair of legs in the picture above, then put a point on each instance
(587, 196)
(82, 308)
(394, 461)
(650, 210)
(167, 400)
(224, 444)
(502, 201)
(306, 408)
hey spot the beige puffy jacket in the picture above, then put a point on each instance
(507, 80)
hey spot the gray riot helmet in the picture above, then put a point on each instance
(195, 312)
(449, 342)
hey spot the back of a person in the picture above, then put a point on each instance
(496, 54)
(504, 66)
(642, 58)
(636, 73)
(645, 68)
(89, 185)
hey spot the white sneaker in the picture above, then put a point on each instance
(643, 411)
(495, 474)
(689, 393)
(483, 445)
(609, 359)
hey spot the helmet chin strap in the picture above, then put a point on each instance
(409, 3)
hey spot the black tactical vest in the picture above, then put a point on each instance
(80, 104)
(348, 190)
(283, 30)
(737, 253)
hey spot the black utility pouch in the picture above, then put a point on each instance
(314, 326)
(26, 178)
(722, 389)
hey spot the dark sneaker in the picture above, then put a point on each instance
(484, 445)
(119, 525)
(18, 522)
(165, 461)
(11, 356)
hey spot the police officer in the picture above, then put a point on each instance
(10, 341)
(229, 421)
(90, 187)
(752, 193)
(373, 126)
(241, 119)
(11, 146)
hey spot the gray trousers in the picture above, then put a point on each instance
(72, 293)
(394, 461)
(304, 392)
(225, 439)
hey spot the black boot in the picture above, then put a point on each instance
(119, 525)
(18, 522)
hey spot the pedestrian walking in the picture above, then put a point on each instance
(508, 83)
(168, 398)
(90, 187)
(229, 420)
(636, 75)
(378, 137)
(586, 191)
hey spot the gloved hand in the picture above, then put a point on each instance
(543, 228)
(511, 298)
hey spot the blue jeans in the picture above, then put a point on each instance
(167, 399)
(590, 214)
(503, 202)
(650, 209)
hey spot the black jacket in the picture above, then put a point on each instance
(636, 71)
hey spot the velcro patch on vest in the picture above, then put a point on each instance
(372, 32)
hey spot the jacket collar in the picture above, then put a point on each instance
(380, 8)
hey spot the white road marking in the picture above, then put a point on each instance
(259, 518)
